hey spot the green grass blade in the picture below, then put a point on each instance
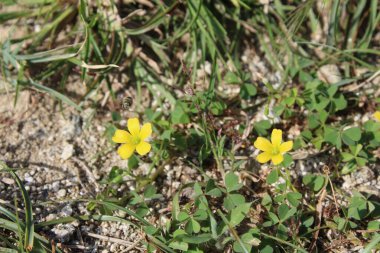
(284, 242)
(152, 23)
(232, 230)
(373, 22)
(29, 224)
(84, 218)
(10, 215)
(373, 244)
(55, 94)
(7, 250)
(129, 212)
(9, 225)
(354, 25)
(160, 244)
(333, 23)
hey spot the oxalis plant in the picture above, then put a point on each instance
(199, 225)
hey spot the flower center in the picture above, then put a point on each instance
(136, 140)
(276, 150)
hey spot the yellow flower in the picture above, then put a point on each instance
(273, 150)
(377, 115)
(134, 139)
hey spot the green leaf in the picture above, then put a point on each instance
(294, 198)
(323, 115)
(179, 116)
(179, 245)
(215, 192)
(217, 107)
(267, 249)
(116, 117)
(232, 182)
(233, 200)
(340, 103)
(198, 239)
(178, 233)
(332, 136)
(142, 210)
(308, 222)
(347, 156)
(212, 189)
(282, 231)
(273, 218)
(315, 182)
(231, 78)
(192, 226)
(151, 230)
(373, 225)
(247, 91)
(349, 167)
(248, 241)
(272, 177)
(361, 161)
(133, 162)
(200, 215)
(266, 201)
(182, 216)
(287, 160)
(340, 222)
(332, 90)
(279, 109)
(351, 136)
(239, 213)
(116, 175)
(262, 127)
(150, 191)
(283, 209)
(198, 189)
(313, 121)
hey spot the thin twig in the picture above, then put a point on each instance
(88, 171)
(111, 239)
(133, 246)
(319, 209)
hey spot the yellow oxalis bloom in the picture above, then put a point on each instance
(134, 139)
(377, 115)
(272, 150)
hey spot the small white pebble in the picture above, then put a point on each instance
(61, 193)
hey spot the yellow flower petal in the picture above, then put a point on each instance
(143, 148)
(126, 150)
(146, 131)
(277, 159)
(264, 157)
(121, 136)
(134, 126)
(286, 146)
(276, 137)
(377, 115)
(263, 144)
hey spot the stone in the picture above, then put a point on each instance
(61, 193)
(50, 217)
(67, 152)
(7, 180)
(329, 74)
